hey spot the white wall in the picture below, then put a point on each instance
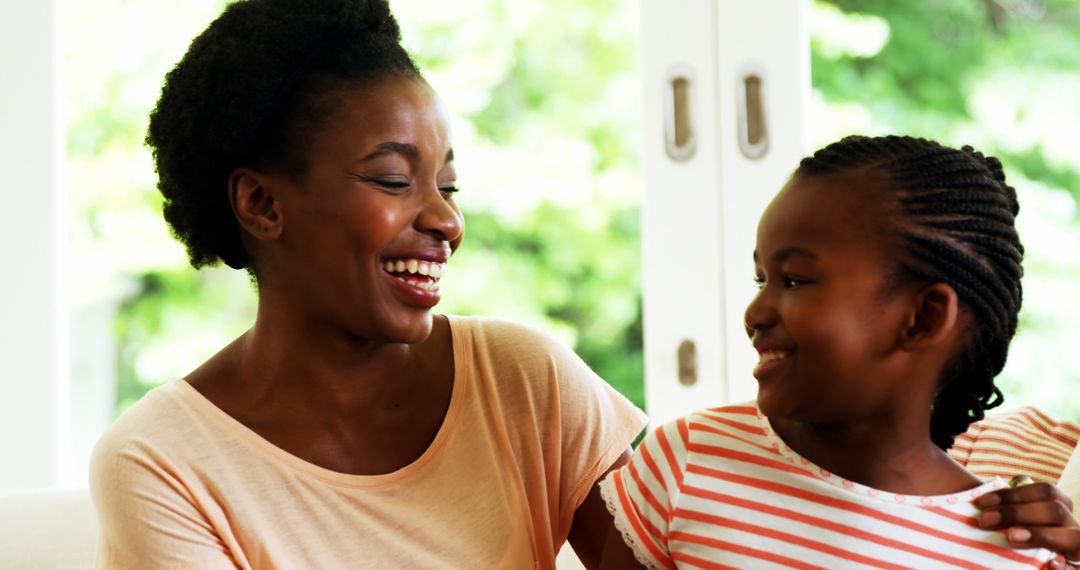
(34, 419)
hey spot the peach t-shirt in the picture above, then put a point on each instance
(179, 484)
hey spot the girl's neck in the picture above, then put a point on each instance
(894, 456)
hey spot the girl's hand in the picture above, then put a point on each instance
(1038, 515)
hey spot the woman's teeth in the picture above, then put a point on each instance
(427, 273)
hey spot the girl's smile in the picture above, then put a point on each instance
(770, 357)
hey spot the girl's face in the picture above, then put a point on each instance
(371, 224)
(824, 328)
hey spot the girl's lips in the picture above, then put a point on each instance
(770, 360)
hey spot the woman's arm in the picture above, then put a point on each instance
(592, 521)
(147, 517)
(617, 554)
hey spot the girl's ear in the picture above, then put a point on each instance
(933, 318)
(253, 203)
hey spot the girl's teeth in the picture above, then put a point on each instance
(770, 356)
(423, 269)
(400, 266)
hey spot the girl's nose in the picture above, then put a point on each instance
(759, 313)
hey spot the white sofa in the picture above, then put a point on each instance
(47, 529)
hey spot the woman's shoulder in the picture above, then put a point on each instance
(501, 336)
(522, 361)
(160, 421)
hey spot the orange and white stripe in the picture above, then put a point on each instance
(1020, 442)
(719, 489)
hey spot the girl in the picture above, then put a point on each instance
(889, 272)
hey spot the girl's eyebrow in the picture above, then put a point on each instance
(785, 253)
(405, 149)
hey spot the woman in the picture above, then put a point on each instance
(349, 427)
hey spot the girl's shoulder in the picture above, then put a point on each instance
(745, 418)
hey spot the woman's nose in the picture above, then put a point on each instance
(440, 217)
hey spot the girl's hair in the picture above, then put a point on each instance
(956, 225)
(251, 91)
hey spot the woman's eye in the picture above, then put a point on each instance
(448, 190)
(759, 280)
(394, 184)
(791, 282)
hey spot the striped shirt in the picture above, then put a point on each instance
(719, 489)
(1024, 441)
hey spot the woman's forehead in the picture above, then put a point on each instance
(400, 111)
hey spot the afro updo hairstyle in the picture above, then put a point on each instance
(249, 92)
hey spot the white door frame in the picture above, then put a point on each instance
(705, 189)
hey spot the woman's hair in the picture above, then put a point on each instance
(955, 226)
(250, 92)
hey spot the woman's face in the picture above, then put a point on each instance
(370, 225)
(825, 331)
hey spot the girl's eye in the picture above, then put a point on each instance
(448, 190)
(759, 280)
(791, 282)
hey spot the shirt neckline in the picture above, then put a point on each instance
(232, 427)
(866, 492)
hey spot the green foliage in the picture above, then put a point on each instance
(557, 270)
(545, 104)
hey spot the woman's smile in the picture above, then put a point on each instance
(416, 280)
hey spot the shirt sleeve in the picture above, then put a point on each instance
(147, 517)
(643, 494)
(597, 425)
(1024, 441)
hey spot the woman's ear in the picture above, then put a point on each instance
(933, 318)
(253, 203)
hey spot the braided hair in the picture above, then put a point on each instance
(250, 92)
(956, 226)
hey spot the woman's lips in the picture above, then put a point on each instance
(415, 280)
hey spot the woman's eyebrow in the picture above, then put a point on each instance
(405, 149)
